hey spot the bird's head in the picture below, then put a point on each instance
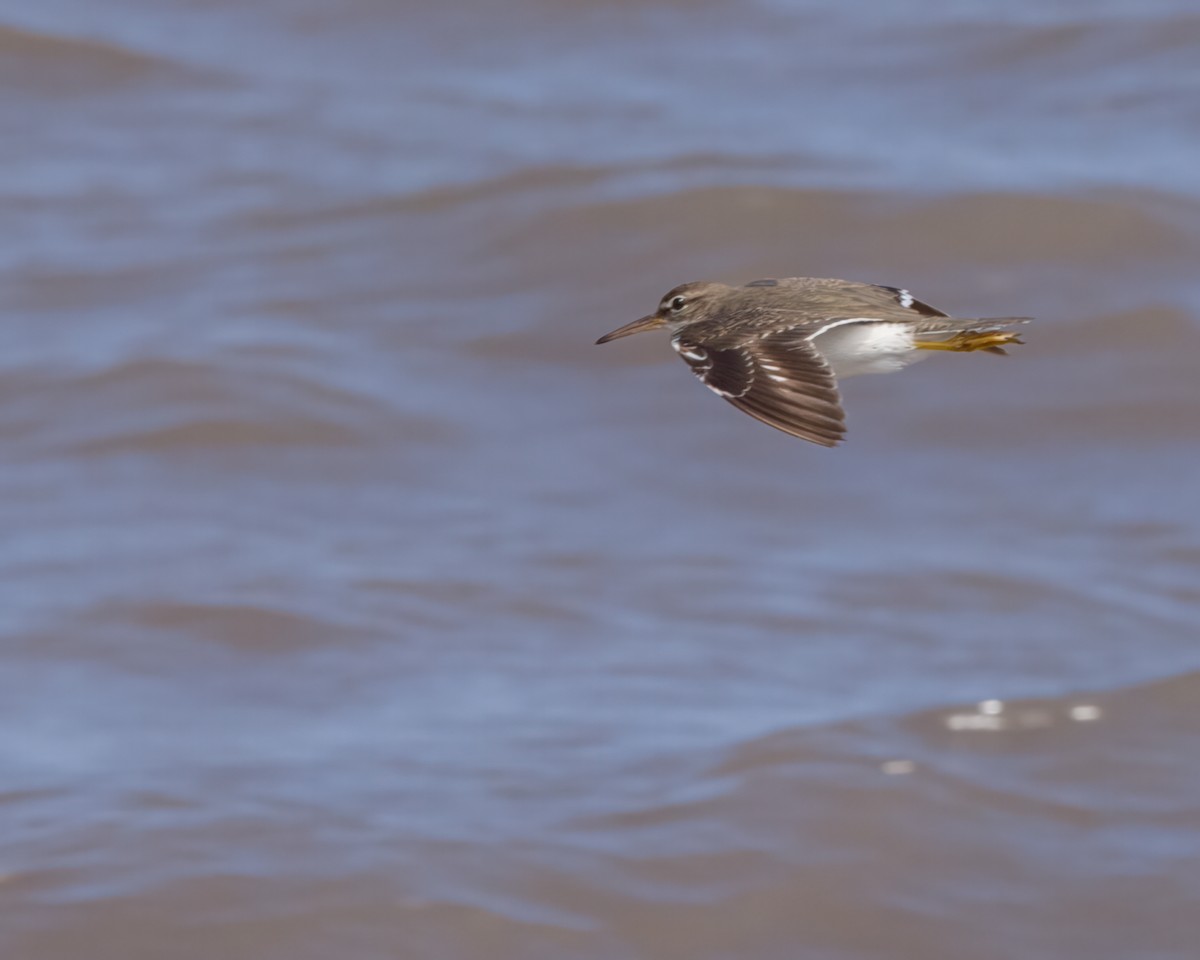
(686, 304)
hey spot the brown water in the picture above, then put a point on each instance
(354, 605)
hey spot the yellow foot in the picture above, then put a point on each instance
(987, 340)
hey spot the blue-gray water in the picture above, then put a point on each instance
(354, 604)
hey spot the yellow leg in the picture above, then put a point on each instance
(987, 340)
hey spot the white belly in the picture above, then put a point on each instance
(867, 346)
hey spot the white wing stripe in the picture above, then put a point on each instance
(839, 323)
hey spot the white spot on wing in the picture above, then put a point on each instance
(698, 354)
(906, 298)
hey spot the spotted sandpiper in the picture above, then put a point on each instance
(776, 348)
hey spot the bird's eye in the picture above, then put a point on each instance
(678, 303)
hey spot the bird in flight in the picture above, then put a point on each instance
(776, 349)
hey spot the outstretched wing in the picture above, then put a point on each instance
(782, 381)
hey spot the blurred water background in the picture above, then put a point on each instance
(353, 604)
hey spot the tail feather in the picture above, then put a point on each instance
(950, 325)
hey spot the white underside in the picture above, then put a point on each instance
(863, 345)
